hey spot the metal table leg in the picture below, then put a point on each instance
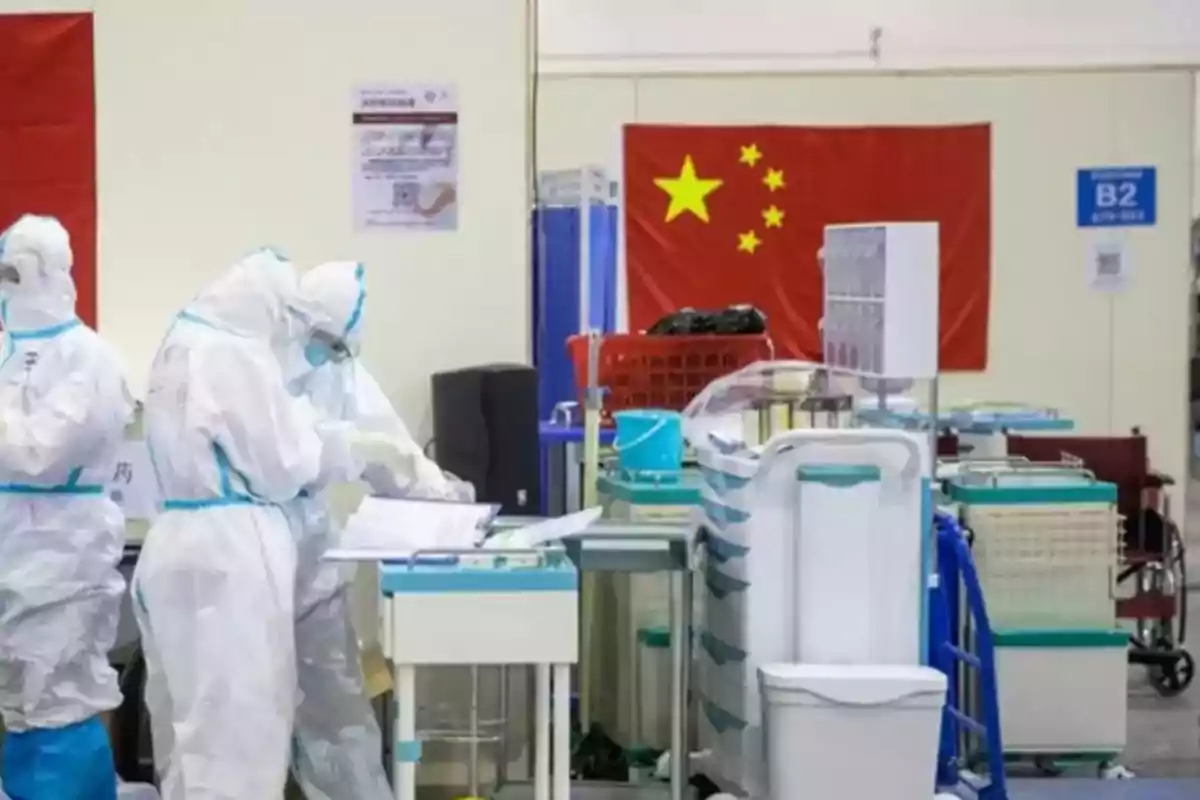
(573, 493)
(562, 731)
(407, 749)
(541, 747)
(681, 613)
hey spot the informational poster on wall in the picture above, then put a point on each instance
(405, 158)
(1108, 265)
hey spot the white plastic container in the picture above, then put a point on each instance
(851, 731)
(1063, 692)
(653, 712)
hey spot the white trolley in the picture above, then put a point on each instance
(1046, 546)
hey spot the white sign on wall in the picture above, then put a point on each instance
(1108, 265)
(405, 158)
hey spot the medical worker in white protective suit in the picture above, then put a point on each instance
(215, 584)
(64, 406)
(338, 747)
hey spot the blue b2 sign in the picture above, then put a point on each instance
(1116, 197)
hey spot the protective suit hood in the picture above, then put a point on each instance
(336, 294)
(339, 290)
(36, 250)
(258, 297)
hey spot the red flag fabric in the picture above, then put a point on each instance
(48, 132)
(722, 215)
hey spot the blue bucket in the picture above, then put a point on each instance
(649, 440)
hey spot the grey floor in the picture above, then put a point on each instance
(1083, 789)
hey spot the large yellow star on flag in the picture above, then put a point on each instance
(774, 179)
(687, 192)
(748, 242)
(750, 155)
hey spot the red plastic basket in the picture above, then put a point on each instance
(639, 371)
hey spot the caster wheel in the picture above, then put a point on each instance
(1174, 680)
(1047, 766)
(1114, 772)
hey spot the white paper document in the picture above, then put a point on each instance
(546, 532)
(385, 528)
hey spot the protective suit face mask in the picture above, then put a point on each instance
(324, 348)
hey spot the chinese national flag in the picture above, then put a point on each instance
(48, 133)
(716, 216)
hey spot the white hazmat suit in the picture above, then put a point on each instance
(216, 582)
(64, 406)
(337, 737)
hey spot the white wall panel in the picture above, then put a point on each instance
(639, 36)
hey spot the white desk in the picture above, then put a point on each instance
(483, 608)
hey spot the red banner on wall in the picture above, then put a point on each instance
(721, 215)
(48, 132)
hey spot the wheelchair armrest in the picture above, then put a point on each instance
(1157, 480)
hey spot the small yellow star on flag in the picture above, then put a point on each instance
(750, 155)
(774, 179)
(748, 242)
(773, 217)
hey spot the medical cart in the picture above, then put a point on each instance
(1045, 543)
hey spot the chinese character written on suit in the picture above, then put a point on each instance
(123, 473)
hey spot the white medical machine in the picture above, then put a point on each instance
(815, 555)
(817, 550)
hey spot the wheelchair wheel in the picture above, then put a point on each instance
(1174, 680)
(1179, 564)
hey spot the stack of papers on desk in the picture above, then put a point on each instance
(545, 532)
(385, 529)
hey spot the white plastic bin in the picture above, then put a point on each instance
(653, 711)
(823, 723)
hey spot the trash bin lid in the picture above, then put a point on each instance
(861, 685)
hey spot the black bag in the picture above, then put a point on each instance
(732, 321)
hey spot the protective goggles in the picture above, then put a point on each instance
(324, 347)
